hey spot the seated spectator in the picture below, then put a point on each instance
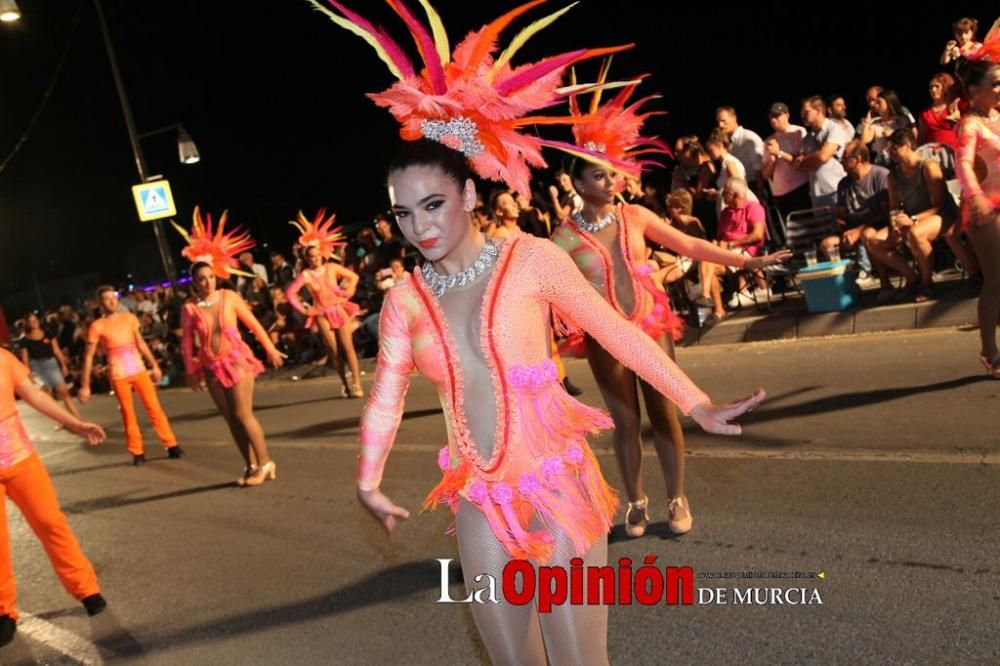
(921, 210)
(937, 122)
(862, 200)
(789, 186)
(695, 172)
(742, 229)
(679, 205)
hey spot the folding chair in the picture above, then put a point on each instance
(803, 230)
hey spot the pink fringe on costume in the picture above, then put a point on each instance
(229, 367)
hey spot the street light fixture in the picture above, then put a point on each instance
(187, 151)
(9, 11)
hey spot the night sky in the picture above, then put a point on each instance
(272, 93)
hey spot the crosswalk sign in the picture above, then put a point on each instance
(154, 200)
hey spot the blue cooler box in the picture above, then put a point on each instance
(829, 286)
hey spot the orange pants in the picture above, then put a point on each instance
(142, 385)
(28, 485)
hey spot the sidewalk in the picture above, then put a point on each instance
(789, 318)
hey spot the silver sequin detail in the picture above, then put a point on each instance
(439, 284)
(596, 226)
(462, 128)
(599, 147)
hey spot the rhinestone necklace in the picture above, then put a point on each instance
(439, 284)
(595, 226)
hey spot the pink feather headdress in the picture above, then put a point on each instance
(319, 233)
(468, 99)
(612, 136)
(217, 248)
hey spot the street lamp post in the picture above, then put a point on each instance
(133, 135)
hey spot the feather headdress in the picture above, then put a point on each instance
(218, 248)
(469, 98)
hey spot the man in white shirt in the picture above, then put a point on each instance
(822, 149)
(789, 187)
(744, 144)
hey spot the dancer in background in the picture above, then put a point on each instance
(331, 286)
(118, 332)
(225, 364)
(607, 241)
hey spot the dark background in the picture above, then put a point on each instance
(273, 95)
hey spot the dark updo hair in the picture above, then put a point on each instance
(973, 73)
(425, 152)
(198, 265)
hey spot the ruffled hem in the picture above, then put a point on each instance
(229, 367)
(559, 480)
(338, 315)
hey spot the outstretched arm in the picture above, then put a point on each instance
(44, 403)
(562, 284)
(660, 232)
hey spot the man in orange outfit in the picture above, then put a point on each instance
(24, 480)
(123, 344)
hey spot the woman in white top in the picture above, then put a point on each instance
(717, 148)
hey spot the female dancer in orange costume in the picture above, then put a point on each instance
(332, 307)
(607, 241)
(979, 173)
(225, 363)
(24, 480)
(517, 470)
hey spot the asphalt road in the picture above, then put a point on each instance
(876, 460)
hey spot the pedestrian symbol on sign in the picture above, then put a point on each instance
(153, 200)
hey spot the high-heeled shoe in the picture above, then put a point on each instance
(637, 529)
(247, 473)
(266, 471)
(992, 366)
(357, 391)
(678, 506)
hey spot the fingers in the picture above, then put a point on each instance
(721, 428)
